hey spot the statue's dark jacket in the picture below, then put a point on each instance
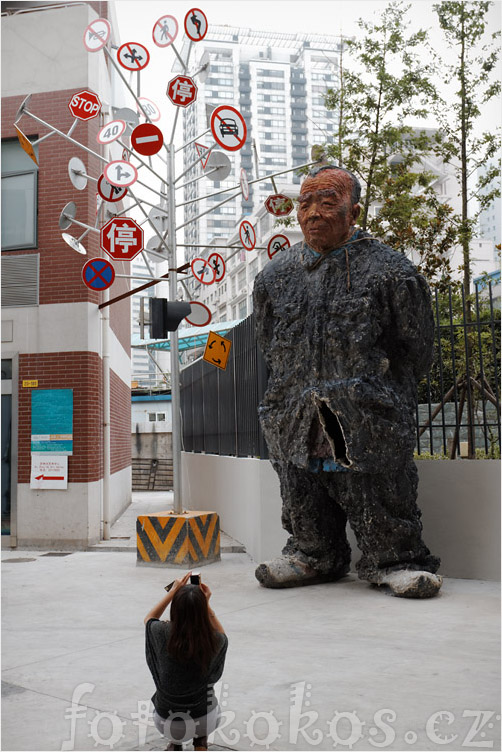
(353, 330)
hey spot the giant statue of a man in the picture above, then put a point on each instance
(346, 328)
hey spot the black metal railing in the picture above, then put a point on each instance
(458, 406)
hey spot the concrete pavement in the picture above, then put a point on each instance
(353, 667)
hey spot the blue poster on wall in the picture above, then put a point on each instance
(52, 421)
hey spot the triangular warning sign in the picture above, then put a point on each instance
(203, 152)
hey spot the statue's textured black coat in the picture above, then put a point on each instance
(345, 340)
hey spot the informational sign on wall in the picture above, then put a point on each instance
(49, 471)
(52, 421)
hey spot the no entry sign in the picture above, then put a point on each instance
(109, 192)
(121, 238)
(98, 274)
(147, 139)
(203, 271)
(97, 35)
(133, 56)
(228, 127)
(247, 235)
(182, 91)
(195, 25)
(165, 31)
(84, 105)
(218, 263)
(277, 243)
(111, 131)
(121, 173)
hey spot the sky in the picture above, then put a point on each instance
(136, 20)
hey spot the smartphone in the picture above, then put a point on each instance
(195, 578)
(168, 587)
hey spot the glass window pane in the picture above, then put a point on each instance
(6, 369)
(18, 211)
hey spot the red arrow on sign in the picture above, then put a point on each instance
(49, 477)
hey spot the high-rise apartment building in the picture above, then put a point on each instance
(278, 82)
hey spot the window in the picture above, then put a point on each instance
(151, 417)
(161, 416)
(270, 72)
(19, 198)
(220, 94)
(270, 85)
(215, 81)
(241, 279)
(243, 309)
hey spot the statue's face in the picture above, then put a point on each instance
(325, 211)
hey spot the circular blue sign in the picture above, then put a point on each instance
(98, 274)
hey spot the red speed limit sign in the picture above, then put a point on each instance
(84, 105)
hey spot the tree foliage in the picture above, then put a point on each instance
(373, 140)
(470, 83)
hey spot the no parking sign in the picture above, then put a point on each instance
(98, 274)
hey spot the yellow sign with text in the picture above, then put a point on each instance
(217, 350)
(26, 144)
(30, 382)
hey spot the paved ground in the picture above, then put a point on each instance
(351, 666)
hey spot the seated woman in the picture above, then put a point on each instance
(186, 657)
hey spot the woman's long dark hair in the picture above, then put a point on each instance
(192, 636)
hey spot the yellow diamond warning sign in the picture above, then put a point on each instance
(26, 144)
(217, 350)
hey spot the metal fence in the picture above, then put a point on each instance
(458, 406)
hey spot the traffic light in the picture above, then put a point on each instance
(166, 316)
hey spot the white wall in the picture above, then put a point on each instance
(460, 503)
(69, 518)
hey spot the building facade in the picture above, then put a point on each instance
(55, 340)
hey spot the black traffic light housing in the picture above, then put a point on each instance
(166, 316)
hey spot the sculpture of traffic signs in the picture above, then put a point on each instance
(121, 237)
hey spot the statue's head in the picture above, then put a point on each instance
(328, 207)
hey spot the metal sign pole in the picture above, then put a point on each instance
(175, 363)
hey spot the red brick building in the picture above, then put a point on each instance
(53, 336)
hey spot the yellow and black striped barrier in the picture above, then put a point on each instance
(178, 540)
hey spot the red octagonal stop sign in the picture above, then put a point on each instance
(182, 91)
(85, 105)
(279, 205)
(121, 238)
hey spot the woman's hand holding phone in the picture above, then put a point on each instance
(205, 589)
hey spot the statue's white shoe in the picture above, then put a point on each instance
(291, 571)
(411, 583)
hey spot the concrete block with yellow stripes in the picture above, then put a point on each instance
(186, 540)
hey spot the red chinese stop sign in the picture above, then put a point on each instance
(279, 205)
(121, 238)
(85, 105)
(182, 91)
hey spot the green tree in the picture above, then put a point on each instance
(374, 142)
(472, 83)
